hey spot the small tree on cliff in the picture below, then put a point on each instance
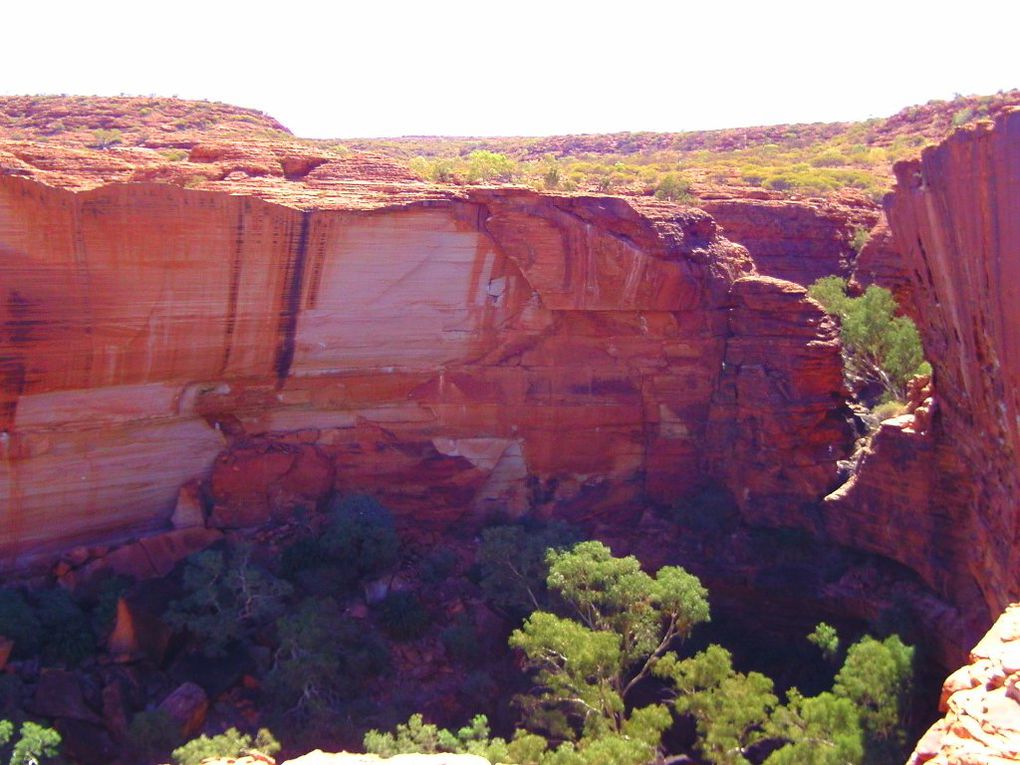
(878, 346)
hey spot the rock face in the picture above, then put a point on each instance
(981, 702)
(454, 355)
(954, 219)
(796, 240)
(779, 414)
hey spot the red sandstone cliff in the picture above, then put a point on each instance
(940, 493)
(333, 325)
(797, 240)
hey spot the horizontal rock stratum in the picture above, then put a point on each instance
(456, 353)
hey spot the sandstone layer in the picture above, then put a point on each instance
(796, 240)
(955, 223)
(454, 353)
(981, 702)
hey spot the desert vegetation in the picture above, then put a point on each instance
(615, 628)
(879, 347)
(574, 654)
(810, 159)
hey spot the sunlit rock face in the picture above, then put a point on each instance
(955, 219)
(981, 703)
(453, 355)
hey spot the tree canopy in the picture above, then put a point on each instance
(878, 346)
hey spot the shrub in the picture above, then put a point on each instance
(877, 345)
(231, 743)
(402, 616)
(674, 187)
(417, 736)
(35, 743)
(859, 238)
(104, 139)
(151, 735)
(227, 597)
(437, 565)
(461, 641)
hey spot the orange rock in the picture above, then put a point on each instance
(187, 706)
(982, 722)
(954, 220)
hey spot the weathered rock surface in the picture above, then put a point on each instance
(779, 415)
(981, 704)
(496, 350)
(955, 222)
(879, 262)
(796, 240)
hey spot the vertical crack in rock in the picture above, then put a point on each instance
(235, 286)
(291, 300)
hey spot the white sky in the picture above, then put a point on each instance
(528, 67)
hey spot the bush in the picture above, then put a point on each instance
(151, 735)
(402, 616)
(227, 598)
(231, 743)
(877, 345)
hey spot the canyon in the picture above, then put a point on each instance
(190, 346)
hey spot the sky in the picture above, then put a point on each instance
(531, 67)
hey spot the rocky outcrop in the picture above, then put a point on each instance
(796, 240)
(879, 262)
(779, 416)
(954, 219)
(981, 702)
(456, 354)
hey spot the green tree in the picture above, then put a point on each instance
(822, 730)
(513, 567)
(732, 710)
(151, 734)
(876, 678)
(323, 660)
(227, 597)
(878, 346)
(624, 622)
(36, 744)
(230, 743)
